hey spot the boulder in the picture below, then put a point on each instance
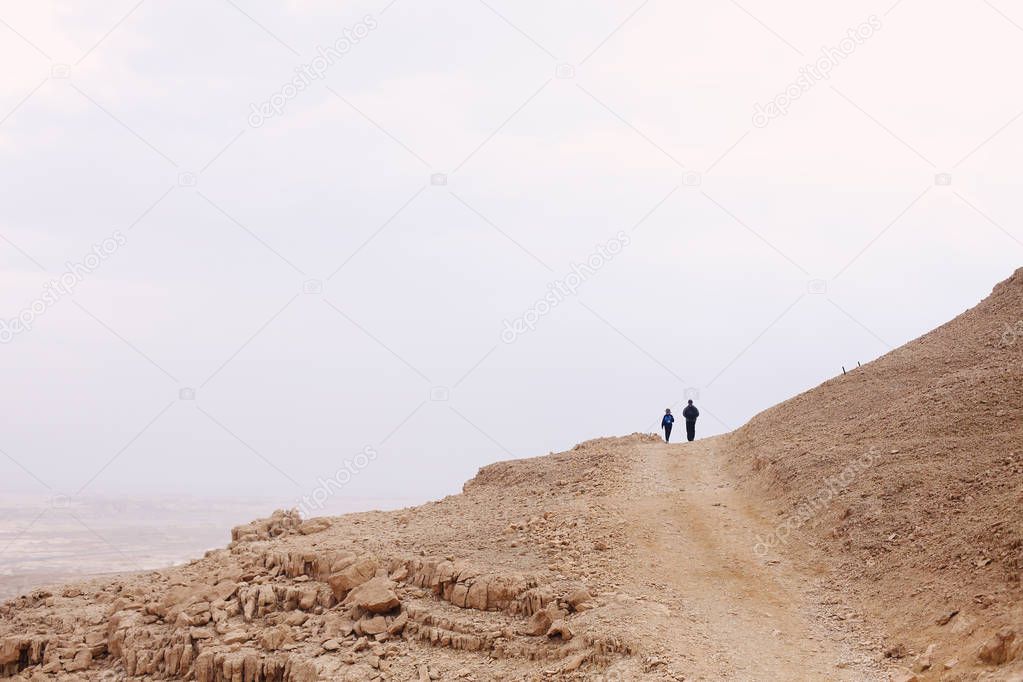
(1001, 648)
(579, 599)
(223, 590)
(560, 628)
(375, 595)
(398, 624)
(274, 638)
(350, 577)
(235, 637)
(476, 597)
(537, 625)
(81, 661)
(374, 625)
(296, 618)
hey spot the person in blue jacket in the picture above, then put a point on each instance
(666, 423)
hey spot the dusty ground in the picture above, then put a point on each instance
(869, 529)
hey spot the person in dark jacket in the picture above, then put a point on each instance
(690, 414)
(666, 423)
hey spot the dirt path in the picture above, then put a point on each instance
(722, 611)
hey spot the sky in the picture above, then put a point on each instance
(352, 251)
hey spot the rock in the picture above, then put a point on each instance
(556, 613)
(82, 660)
(1001, 648)
(579, 599)
(537, 625)
(331, 645)
(222, 591)
(314, 526)
(560, 628)
(476, 597)
(279, 523)
(274, 638)
(895, 651)
(573, 662)
(399, 623)
(297, 618)
(235, 637)
(307, 597)
(925, 660)
(373, 625)
(340, 627)
(375, 595)
(946, 617)
(352, 576)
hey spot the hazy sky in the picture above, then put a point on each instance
(254, 293)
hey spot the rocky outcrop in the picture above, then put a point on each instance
(252, 666)
(18, 653)
(257, 600)
(270, 615)
(279, 523)
(471, 588)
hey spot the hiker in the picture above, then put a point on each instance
(690, 414)
(666, 423)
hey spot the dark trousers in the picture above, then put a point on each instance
(690, 431)
(667, 432)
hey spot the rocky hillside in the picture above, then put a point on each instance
(490, 584)
(867, 530)
(906, 476)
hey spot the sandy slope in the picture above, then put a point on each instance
(918, 460)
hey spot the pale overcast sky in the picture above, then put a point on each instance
(284, 286)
